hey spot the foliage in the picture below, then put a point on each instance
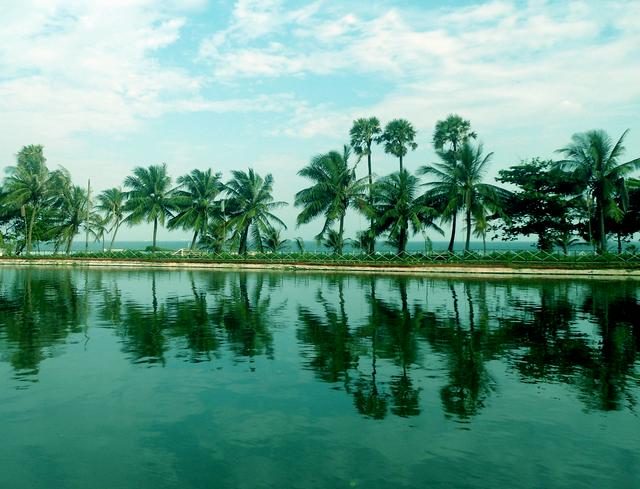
(334, 189)
(543, 205)
(272, 241)
(454, 131)
(594, 159)
(250, 207)
(111, 202)
(398, 138)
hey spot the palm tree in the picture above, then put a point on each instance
(444, 192)
(272, 241)
(335, 188)
(195, 201)
(594, 158)
(112, 203)
(454, 130)
(151, 197)
(460, 185)
(399, 209)
(28, 187)
(363, 133)
(398, 138)
(71, 206)
(249, 207)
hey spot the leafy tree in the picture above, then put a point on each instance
(195, 202)
(543, 204)
(28, 187)
(250, 207)
(595, 159)
(398, 138)
(363, 134)
(454, 131)
(150, 197)
(335, 188)
(111, 202)
(399, 209)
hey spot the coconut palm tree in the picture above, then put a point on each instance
(595, 159)
(460, 186)
(150, 197)
(195, 202)
(71, 209)
(272, 240)
(399, 209)
(398, 138)
(28, 187)
(335, 188)
(250, 207)
(363, 134)
(112, 202)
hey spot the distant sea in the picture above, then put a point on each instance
(312, 246)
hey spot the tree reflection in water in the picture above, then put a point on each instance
(369, 336)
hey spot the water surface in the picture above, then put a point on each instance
(186, 379)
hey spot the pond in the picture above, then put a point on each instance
(199, 379)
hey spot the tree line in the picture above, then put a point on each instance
(587, 195)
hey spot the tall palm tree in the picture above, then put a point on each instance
(28, 187)
(398, 138)
(596, 160)
(399, 208)
(250, 207)
(150, 197)
(363, 134)
(335, 188)
(195, 201)
(112, 202)
(454, 130)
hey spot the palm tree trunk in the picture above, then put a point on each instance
(371, 221)
(155, 232)
(603, 236)
(193, 241)
(468, 239)
(340, 233)
(115, 231)
(619, 244)
(400, 163)
(402, 241)
(243, 240)
(69, 243)
(484, 243)
(453, 232)
(30, 230)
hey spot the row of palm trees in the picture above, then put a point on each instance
(43, 205)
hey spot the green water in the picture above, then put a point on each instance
(187, 379)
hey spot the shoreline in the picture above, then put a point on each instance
(413, 270)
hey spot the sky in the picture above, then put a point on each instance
(108, 85)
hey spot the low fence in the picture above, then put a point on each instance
(499, 258)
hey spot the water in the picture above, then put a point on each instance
(185, 379)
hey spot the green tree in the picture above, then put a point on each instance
(335, 188)
(195, 202)
(28, 187)
(272, 240)
(112, 202)
(250, 207)
(459, 186)
(399, 209)
(543, 203)
(454, 131)
(398, 138)
(595, 160)
(150, 197)
(363, 134)
(71, 209)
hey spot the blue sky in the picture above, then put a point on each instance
(108, 85)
